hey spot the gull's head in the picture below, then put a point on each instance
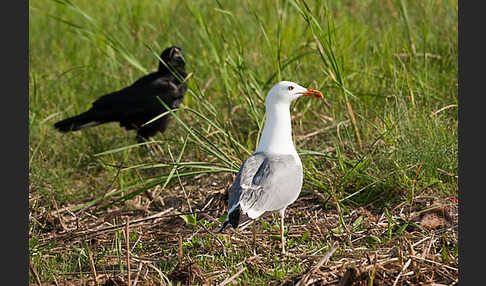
(285, 92)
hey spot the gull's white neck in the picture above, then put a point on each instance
(277, 132)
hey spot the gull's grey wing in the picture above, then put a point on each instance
(274, 186)
(264, 183)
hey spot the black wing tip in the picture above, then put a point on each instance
(223, 227)
(233, 220)
(236, 219)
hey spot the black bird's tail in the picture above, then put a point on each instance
(84, 120)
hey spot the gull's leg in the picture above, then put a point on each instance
(254, 237)
(282, 238)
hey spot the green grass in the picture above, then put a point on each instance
(367, 57)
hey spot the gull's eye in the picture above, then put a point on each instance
(290, 87)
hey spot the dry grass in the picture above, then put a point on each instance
(396, 247)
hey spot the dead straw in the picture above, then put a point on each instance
(36, 275)
(127, 240)
(93, 268)
(303, 281)
(228, 280)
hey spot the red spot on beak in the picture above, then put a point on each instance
(312, 92)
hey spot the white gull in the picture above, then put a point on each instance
(271, 178)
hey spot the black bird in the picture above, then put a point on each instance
(138, 103)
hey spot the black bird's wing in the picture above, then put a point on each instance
(130, 103)
(132, 106)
